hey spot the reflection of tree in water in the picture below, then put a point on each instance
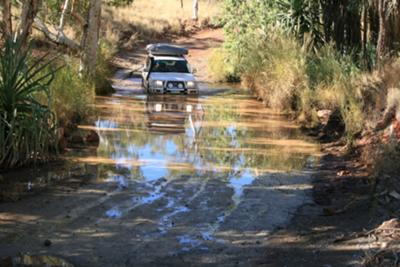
(191, 136)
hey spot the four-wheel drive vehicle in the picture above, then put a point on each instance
(167, 71)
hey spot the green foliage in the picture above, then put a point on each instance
(27, 127)
(302, 19)
(103, 69)
(72, 96)
(275, 70)
(221, 68)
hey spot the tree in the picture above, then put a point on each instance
(30, 8)
(6, 24)
(91, 38)
(195, 10)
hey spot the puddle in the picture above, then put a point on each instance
(238, 182)
(114, 213)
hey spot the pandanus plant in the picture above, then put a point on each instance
(27, 125)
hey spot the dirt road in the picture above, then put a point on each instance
(175, 181)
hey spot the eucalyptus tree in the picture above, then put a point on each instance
(6, 23)
(195, 10)
(91, 38)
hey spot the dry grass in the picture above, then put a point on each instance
(277, 74)
(146, 20)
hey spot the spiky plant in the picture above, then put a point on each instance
(27, 127)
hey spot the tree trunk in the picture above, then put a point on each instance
(62, 18)
(30, 9)
(91, 39)
(195, 10)
(382, 46)
(6, 24)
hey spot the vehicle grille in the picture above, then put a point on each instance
(175, 85)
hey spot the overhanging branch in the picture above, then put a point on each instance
(57, 37)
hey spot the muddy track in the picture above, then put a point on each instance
(175, 181)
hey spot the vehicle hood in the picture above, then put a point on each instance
(172, 76)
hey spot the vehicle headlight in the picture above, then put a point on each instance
(158, 107)
(158, 84)
(191, 85)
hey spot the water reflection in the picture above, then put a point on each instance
(169, 136)
(190, 172)
(178, 156)
(232, 137)
(171, 114)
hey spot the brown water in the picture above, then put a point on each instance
(175, 176)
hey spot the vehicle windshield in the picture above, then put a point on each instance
(170, 66)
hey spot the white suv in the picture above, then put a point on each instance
(167, 71)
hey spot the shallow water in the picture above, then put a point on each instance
(178, 174)
(152, 142)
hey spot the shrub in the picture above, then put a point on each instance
(336, 81)
(103, 69)
(275, 71)
(220, 68)
(72, 96)
(27, 127)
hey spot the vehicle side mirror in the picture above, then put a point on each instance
(194, 70)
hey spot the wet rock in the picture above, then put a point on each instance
(47, 243)
(25, 260)
(93, 138)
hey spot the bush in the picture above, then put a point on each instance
(287, 77)
(220, 68)
(27, 127)
(276, 72)
(335, 81)
(72, 96)
(103, 69)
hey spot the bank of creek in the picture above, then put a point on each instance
(175, 181)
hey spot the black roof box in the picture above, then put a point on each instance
(166, 50)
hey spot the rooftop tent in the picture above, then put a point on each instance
(166, 50)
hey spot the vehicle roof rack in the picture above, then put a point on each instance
(162, 49)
